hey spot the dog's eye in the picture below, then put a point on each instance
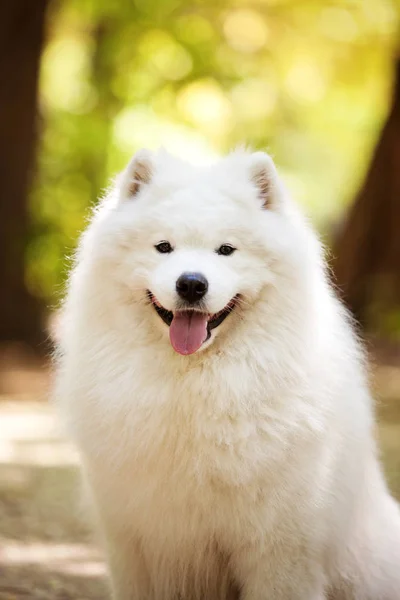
(163, 247)
(226, 250)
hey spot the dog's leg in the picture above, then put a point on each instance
(265, 576)
(129, 575)
(130, 579)
(369, 568)
(263, 590)
(128, 572)
(267, 586)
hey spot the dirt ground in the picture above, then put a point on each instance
(46, 549)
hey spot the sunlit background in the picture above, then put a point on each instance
(89, 82)
(309, 81)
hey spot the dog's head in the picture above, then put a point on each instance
(196, 248)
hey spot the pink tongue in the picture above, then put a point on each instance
(188, 331)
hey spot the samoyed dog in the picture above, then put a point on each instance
(217, 394)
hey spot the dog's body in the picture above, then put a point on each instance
(247, 469)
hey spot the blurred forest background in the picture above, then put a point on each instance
(84, 84)
(88, 82)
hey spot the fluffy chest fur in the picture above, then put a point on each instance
(207, 435)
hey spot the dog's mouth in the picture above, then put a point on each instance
(189, 329)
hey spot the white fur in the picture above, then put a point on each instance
(249, 468)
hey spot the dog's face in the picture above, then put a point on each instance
(195, 248)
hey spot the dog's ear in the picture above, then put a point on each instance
(137, 174)
(264, 176)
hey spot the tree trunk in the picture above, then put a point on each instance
(21, 41)
(367, 249)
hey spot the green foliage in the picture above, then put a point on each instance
(308, 80)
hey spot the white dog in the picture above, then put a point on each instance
(217, 394)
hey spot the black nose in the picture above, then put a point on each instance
(192, 287)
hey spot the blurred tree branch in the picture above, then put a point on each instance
(367, 249)
(21, 41)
